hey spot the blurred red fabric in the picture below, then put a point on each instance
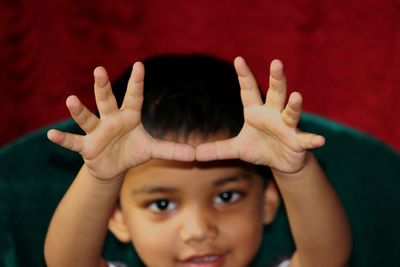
(342, 55)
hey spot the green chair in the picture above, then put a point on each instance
(35, 173)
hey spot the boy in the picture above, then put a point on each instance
(178, 170)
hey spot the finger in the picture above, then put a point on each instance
(134, 92)
(172, 151)
(69, 141)
(81, 115)
(292, 112)
(249, 90)
(218, 150)
(105, 100)
(309, 140)
(276, 94)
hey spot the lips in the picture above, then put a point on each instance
(205, 261)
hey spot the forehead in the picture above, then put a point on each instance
(177, 173)
(168, 166)
(167, 171)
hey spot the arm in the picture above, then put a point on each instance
(317, 219)
(113, 143)
(270, 137)
(79, 225)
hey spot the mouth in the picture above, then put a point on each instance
(209, 260)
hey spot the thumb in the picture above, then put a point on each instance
(172, 151)
(224, 149)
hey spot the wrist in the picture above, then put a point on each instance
(306, 166)
(117, 179)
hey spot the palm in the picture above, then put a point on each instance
(259, 143)
(110, 154)
(269, 135)
(117, 140)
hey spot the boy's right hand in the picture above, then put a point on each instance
(117, 140)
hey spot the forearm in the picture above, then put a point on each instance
(79, 225)
(316, 216)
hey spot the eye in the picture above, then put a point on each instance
(162, 205)
(227, 197)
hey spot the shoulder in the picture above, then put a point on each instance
(283, 261)
(116, 264)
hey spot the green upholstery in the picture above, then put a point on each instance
(35, 173)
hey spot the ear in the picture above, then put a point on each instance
(271, 202)
(118, 227)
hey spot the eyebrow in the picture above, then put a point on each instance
(149, 189)
(153, 190)
(233, 179)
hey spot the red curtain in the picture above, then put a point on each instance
(344, 56)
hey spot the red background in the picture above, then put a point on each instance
(344, 56)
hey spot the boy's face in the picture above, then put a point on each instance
(192, 214)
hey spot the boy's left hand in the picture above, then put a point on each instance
(269, 135)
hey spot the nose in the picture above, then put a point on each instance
(197, 226)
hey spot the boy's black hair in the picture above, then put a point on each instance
(186, 94)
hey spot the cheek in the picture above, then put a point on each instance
(154, 245)
(244, 232)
